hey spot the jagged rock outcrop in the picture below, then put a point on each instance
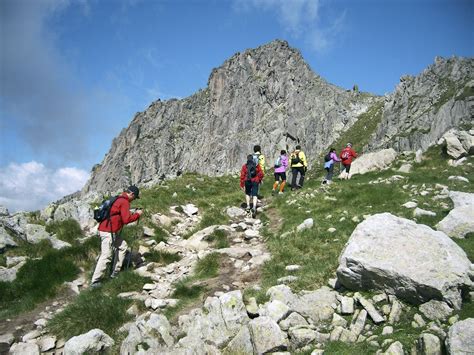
(424, 107)
(266, 96)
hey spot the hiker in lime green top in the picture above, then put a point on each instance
(259, 157)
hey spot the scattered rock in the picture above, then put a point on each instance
(429, 344)
(235, 212)
(24, 348)
(436, 310)
(458, 178)
(307, 224)
(460, 339)
(94, 340)
(267, 335)
(418, 212)
(410, 204)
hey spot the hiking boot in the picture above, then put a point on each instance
(114, 275)
(280, 193)
(96, 285)
(254, 213)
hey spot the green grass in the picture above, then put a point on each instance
(98, 308)
(162, 257)
(44, 273)
(360, 132)
(68, 231)
(189, 289)
(219, 239)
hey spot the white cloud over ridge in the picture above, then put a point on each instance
(300, 19)
(31, 186)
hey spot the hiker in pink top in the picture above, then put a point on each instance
(281, 164)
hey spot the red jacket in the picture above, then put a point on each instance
(347, 155)
(119, 215)
(243, 175)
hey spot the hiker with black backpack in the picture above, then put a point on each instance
(281, 164)
(114, 214)
(251, 176)
(329, 160)
(299, 165)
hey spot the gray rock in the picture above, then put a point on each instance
(337, 320)
(429, 344)
(395, 349)
(94, 340)
(241, 343)
(275, 309)
(462, 199)
(395, 312)
(369, 307)
(24, 348)
(418, 319)
(458, 178)
(5, 239)
(293, 320)
(159, 323)
(266, 335)
(287, 279)
(460, 339)
(454, 147)
(316, 305)
(408, 260)
(410, 204)
(460, 220)
(387, 330)
(347, 305)
(436, 310)
(358, 324)
(79, 210)
(235, 212)
(252, 307)
(418, 212)
(301, 336)
(307, 224)
(405, 168)
(47, 343)
(190, 209)
(373, 161)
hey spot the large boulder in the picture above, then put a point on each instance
(460, 220)
(79, 210)
(373, 161)
(406, 259)
(454, 147)
(93, 341)
(460, 339)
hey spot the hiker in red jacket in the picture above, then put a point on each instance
(109, 232)
(346, 156)
(251, 176)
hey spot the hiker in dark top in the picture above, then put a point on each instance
(299, 165)
(109, 232)
(329, 160)
(251, 176)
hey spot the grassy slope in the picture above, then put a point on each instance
(315, 250)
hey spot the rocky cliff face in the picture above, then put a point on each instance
(270, 96)
(423, 108)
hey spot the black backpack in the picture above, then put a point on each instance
(327, 157)
(296, 159)
(103, 212)
(251, 169)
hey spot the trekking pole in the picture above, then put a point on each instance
(129, 259)
(114, 255)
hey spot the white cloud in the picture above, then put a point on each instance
(300, 19)
(31, 186)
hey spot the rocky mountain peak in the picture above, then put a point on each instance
(270, 96)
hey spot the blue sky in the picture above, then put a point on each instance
(74, 72)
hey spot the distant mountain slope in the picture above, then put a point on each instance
(270, 96)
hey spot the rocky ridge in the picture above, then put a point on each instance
(270, 95)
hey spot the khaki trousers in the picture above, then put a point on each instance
(106, 251)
